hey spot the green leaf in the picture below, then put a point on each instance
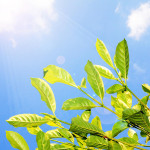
(42, 141)
(34, 130)
(103, 52)
(123, 101)
(108, 134)
(78, 125)
(129, 140)
(53, 134)
(114, 146)
(16, 140)
(53, 74)
(115, 88)
(94, 79)
(137, 119)
(145, 99)
(146, 88)
(121, 58)
(119, 127)
(83, 83)
(96, 122)
(46, 93)
(132, 134)
(104, 72)
(78, 103)
(61, 147)
(86, 115)
(66, 134)
(26, 120)
(98, 142)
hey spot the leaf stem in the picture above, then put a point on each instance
(63, 122)
(102, 105)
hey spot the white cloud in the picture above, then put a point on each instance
(139, 21)
(138, 69)
(117, 8)
(13, 42)
(26, 16)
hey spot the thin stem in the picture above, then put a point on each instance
(101, 105)
(63, 122)
(57, 141)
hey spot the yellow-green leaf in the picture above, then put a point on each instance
(78, 103)
(115, 88)
(96, 121)
(46, 92)
(27, 120)
(43, 141)
(34, 130)
(86, 115)
(53, 74)
(103, 52)
(16, 140)
(54, 134)
(104, 72)
(95, 80)
(121, 58)
(146, 88)
(132, 134)
(83, 83)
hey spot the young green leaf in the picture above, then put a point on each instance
(83, 83)
(145, 99)
(123, 101)
(53, 74)
(96, 121)
(104, 72)
(109, 134)
(27, 120)
(66, 134)
(97, 142)
(94, 79)
(119, 127)
(146, 88)
(103, 52)
(78, 103)
(34, 130)
(121, 58)
(114, 145)
(16, 140)
(86, 115)
(46, 93)
(129, 140)
(42, 141)
(115, 88)
(78, 125)
(132, 134)
(53, 134)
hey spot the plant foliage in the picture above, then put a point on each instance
(82, 133)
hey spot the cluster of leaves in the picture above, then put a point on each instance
(85, 134)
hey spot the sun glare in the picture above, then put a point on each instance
(25, 16)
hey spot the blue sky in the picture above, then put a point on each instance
(63, 33)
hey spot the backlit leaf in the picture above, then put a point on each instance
(119, 127)
(34, 130)
(53, 74)
(53, 134)
(104, 72)
(46, 92)
(78, 103)
(27, 120)
(122, 58)
(16, 140)
(146, 88)
(86, 115)
(133, 134)
(103, 52)
(95, 80)
(96, 121)
(115, 88)
(83, 83)
(114, 146)
(42, 141)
